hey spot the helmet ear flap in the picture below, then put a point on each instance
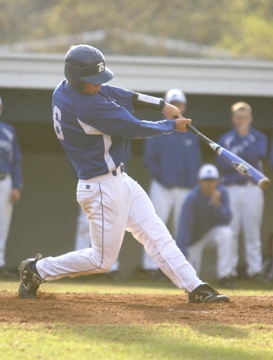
(73, 78)
(78, 85)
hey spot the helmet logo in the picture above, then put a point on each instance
(100, 67)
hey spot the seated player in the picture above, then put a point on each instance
(205, 218)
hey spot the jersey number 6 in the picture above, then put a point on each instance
(57, 117)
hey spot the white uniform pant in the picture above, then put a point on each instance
(247, 203)
(165, 200)
(82, 239)
(6, 208)
(114, 204)
(221, 235)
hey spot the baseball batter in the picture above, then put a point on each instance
(93, 122)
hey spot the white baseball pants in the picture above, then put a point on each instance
(82, 239)
(6, 208)
(221, 235)
(114, 204)
(165, 200)
(247, 203)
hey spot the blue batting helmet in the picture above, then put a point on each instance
(84, 63)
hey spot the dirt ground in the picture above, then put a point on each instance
(93, 308)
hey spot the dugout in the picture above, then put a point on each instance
(45, 218)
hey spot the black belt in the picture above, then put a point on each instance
(114, 172)
(3, 175)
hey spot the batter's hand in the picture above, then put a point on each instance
(181, 123)
(15, 196)
(171, 111)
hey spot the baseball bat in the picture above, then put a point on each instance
(235, 161)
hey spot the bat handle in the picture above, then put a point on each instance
(190, 127)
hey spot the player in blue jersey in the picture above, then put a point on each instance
(246, 198)
(172, 176)
(93, 122)
(205, 218)
(10, 183)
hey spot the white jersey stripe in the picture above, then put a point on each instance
(107, 157)
(90, 130)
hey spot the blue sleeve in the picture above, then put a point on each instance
(222, 212)
(123, 97)
(151, 157)
(271, 153)
(186, 222)
(112, 119)
(17, 181)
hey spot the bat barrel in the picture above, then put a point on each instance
(235, 161)
(264, 183)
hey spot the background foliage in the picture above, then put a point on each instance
(244, 27)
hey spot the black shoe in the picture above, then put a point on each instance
(206, 294)
(29, 280)
(227, 283)
(259, 278)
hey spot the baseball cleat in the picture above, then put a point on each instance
(206, 294)
(29, 280)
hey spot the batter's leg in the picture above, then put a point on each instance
(163, 201)
(150, 230)
(82, 239)
(107, 206)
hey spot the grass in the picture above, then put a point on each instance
(164, 341)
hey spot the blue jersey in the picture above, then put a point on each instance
(10, 154)
(199, 215)
(93, 129)
(271, 153)
(174, 160)
(251, 148)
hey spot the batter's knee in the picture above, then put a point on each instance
(106, 264)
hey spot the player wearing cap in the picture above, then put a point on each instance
(93, 122)
(246, 198)
(10, 183)
(205, 218)
(173, 162)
